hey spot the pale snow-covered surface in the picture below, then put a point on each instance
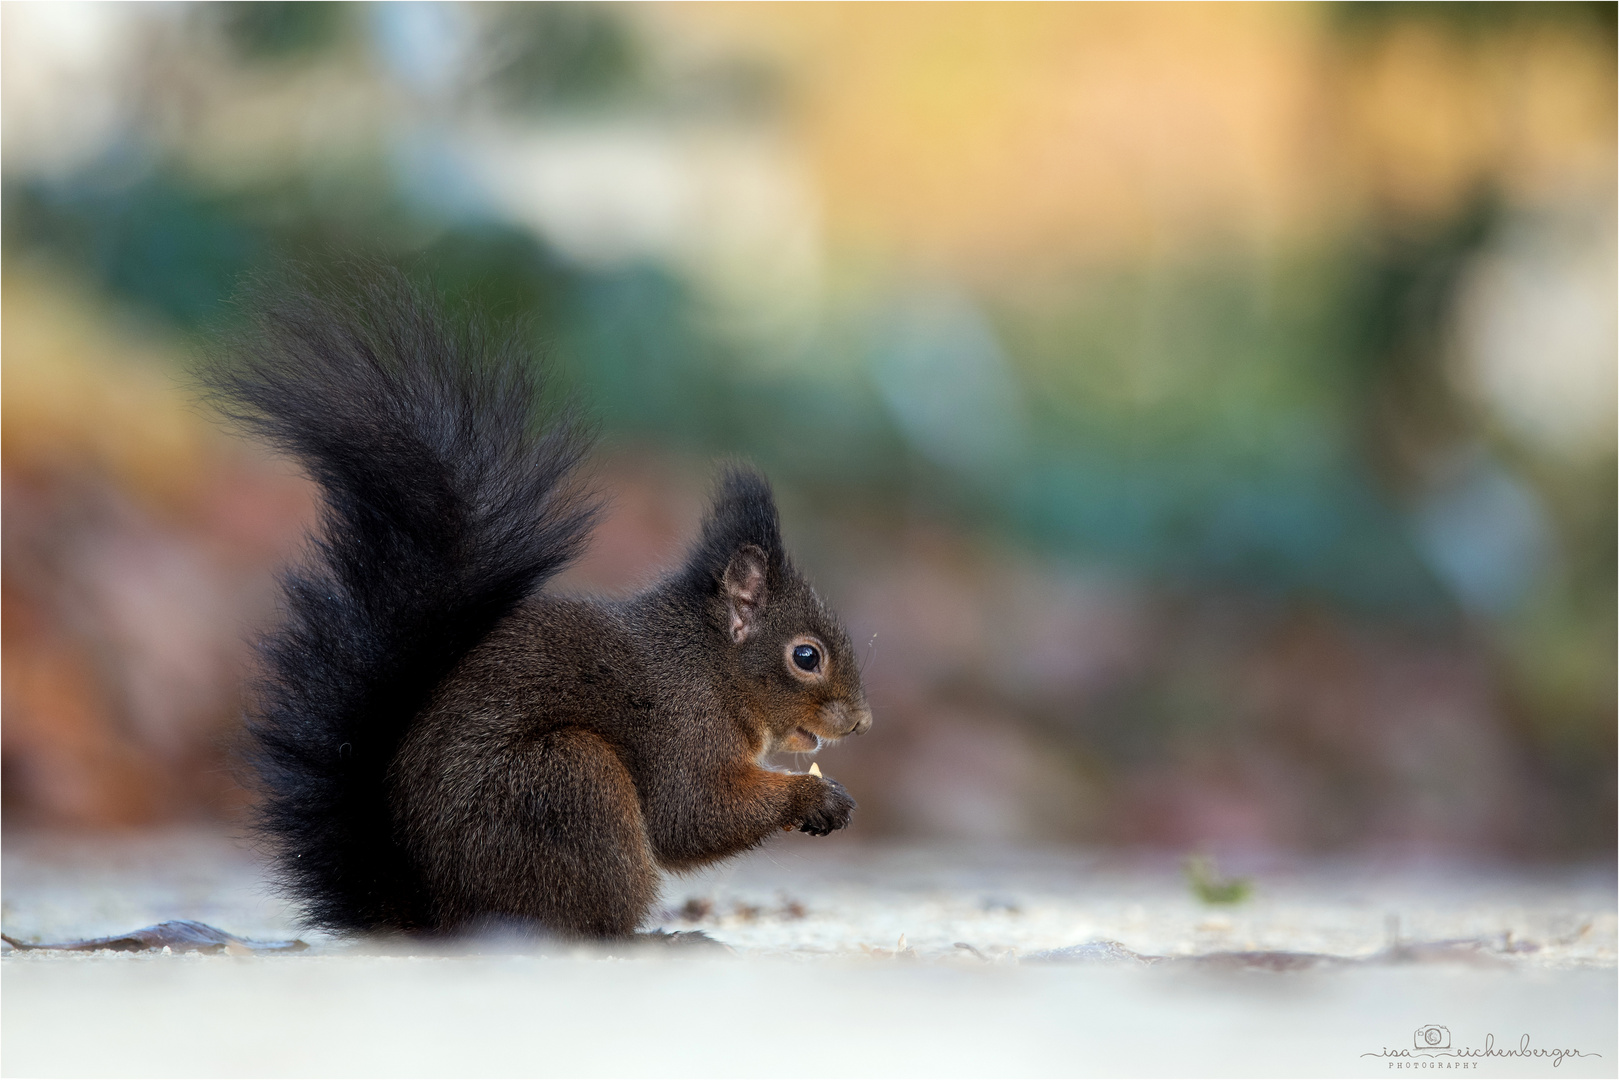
(815, 987)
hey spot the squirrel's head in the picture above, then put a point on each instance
(789, 658)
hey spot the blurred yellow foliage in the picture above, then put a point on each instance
(84, 394)
(996, 137)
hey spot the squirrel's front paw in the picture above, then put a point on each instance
(833, 813)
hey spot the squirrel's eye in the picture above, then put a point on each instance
(807, 657)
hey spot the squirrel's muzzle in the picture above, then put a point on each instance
(843, 720)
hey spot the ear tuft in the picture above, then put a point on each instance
(739, 556)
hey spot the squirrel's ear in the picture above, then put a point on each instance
(745, 590)
(739, 557)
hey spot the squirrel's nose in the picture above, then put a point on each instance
(845, 719)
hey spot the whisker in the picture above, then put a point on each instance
(871, 649)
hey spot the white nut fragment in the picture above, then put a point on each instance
(815, 769)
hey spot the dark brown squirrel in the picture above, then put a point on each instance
(441, 745)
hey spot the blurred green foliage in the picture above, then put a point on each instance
(279, 29)
(1256, 460)
(1367, 17)
(545, 56)
(1203, 876)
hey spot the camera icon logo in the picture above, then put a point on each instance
(1433, 1037)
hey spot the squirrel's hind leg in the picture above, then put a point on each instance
(558, 841)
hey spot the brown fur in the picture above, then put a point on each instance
(585, 745)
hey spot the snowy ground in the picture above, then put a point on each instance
(820, 983)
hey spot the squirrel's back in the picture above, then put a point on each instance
(444, 503)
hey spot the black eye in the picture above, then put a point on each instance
(807, 657)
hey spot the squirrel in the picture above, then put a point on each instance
(438, 742)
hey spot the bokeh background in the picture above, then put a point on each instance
(1209, 409)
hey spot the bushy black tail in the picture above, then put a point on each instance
(444, 505)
